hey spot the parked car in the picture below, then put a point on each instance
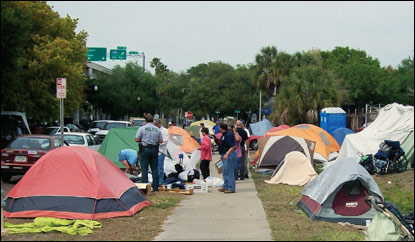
(23, 152)
(252, 142)
(9, 123)
(100, 135)
(74, 128)
(96, 126)
(137, 122)
(78, 139)
(54, 129)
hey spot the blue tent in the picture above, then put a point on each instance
(340, 133)
(261, 128)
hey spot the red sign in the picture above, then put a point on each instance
(188, 114)
(61, 87)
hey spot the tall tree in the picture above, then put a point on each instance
(361, 76)
(307, 90)
(404, 76)
(45, 47)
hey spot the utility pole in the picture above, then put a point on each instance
(260, 96)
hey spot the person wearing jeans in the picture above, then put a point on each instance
(228, 155)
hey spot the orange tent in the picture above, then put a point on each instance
(325, 143)
(181, 138)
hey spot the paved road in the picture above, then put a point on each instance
(218, 216)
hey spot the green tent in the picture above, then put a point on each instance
(116, 140)
(408, 147)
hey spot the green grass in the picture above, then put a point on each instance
(400, 191)
(143, 226)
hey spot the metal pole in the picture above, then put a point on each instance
(62, 120)
(260, 96)
(365, 113)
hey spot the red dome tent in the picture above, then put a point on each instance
(74, 182)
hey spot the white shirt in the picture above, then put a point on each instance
(247, 132)
(201, 135)
(163, 146)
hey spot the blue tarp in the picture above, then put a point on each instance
(261, 128)
(340, 133)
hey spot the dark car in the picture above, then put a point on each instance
(23, 152)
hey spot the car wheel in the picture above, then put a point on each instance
(254, 144)
(6, 177)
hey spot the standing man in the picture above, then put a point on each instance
(228, 155)
(216, 127)
(202, 125)
(150, 137)
(241, 170)
(247, 150)
(162, 149)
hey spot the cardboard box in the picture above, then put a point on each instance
(219, 165)
(197, 188)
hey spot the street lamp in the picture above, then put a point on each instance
(96, 104)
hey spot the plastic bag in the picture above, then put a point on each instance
(212, 181)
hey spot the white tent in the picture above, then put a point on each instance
(296, 169)
(394, 122)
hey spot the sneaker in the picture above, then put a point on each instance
(242, 178)
(228, 191)
(246, 176)
(221, 189)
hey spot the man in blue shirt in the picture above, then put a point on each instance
(129, 158)
(150, 137)
(215, 128)
(227, 151)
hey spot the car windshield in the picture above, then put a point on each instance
(109, 126)
(74, 139)
(31, 143)
(49, 131)
(99, 125)
(138, 122)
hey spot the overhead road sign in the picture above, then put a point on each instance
(118, 54)
(96, 54)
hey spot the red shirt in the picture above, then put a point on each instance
(206, 148)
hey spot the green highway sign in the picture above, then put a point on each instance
(118, 54)
(121, 47)
(133, 52)
(96, 54)
(237, 111)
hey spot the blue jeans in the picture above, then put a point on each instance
(228, 171)
(150, 157)
(238, 162)
(161, 168)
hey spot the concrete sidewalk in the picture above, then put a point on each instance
(218, 216)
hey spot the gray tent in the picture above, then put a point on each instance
(338, 194)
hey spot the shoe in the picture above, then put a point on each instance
(241, 178)
(221, 189)
(246, 176)
(228, 191)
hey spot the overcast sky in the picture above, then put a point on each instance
(185, 34)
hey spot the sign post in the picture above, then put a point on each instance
(237, 112)
(61, 94)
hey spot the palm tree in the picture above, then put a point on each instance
(272, 67)
(308, 89)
